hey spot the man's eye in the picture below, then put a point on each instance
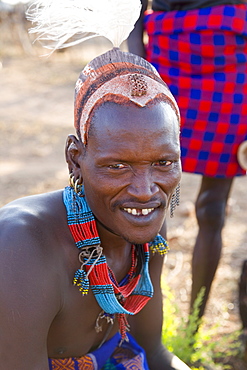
(117, 166)
(163, 163)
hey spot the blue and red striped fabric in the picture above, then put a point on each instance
(202, 55)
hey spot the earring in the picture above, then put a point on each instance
(78, 187)
(175, 201)
(75, 184)
(71, 180)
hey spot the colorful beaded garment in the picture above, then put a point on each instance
(130, 295)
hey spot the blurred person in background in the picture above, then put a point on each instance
(200, 48)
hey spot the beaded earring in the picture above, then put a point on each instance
(175, 201)
(159, 245)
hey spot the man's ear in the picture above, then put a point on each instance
(74, 149)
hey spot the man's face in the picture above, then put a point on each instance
(131, 168)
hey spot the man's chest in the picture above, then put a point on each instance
(73, 332)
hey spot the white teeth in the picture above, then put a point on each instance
(138, 212)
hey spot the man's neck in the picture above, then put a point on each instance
(111, 243)
(116, 250)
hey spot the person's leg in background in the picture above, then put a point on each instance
(210, 212)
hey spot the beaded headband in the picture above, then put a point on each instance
(117, 76)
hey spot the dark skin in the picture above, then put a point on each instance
(134, 154)
(210, 207)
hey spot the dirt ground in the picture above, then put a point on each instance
(36, 115)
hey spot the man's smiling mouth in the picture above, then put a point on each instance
(139, 212)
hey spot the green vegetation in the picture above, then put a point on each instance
(200, 349)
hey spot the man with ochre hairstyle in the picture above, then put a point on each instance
(80, 268)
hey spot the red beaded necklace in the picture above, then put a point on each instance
(133, 292)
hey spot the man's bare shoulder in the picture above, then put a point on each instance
(31, 220)
(32, 210)
(34, 205)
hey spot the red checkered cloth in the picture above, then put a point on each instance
(202, 55)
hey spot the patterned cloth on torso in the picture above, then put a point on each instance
(108, 357)
(201, 54)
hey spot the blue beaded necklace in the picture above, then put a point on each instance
(113, 298)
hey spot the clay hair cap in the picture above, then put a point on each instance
(117, 76)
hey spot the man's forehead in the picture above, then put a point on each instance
(124, 107)
(132, 120)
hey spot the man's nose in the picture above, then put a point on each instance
(142, 185)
